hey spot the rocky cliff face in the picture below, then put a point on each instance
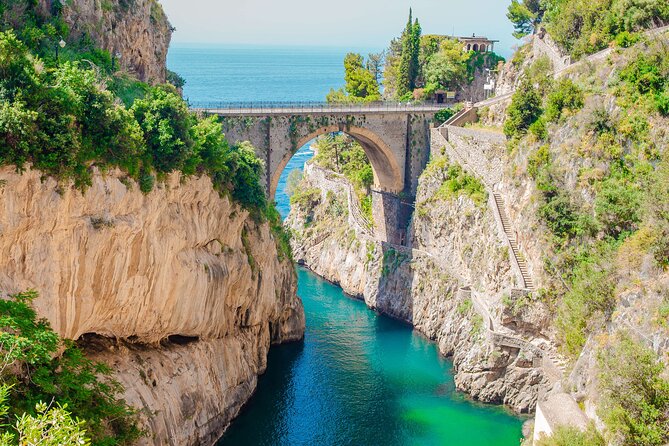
(455, 245)
(189, 287)
(137, 30)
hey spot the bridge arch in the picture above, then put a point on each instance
(385, 166)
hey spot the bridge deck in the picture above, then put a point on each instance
(316, 108)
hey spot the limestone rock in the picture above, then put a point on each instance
(148, 268)
(137, 30)
(455, 244)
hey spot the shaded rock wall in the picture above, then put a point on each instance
(180, 260)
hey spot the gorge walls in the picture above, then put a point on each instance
(454, 244)
(179, 290)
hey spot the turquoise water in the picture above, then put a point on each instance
(358, 378)
(362, 379)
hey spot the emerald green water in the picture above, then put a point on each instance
(362, 379)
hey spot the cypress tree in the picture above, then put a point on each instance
(414, 65)
(404, 72)
(409, 68)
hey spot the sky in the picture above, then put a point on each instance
(339, 23)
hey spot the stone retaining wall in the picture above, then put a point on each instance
(477, 151)
(544, 45)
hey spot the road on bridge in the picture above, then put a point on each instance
(269, 108)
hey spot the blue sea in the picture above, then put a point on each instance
(358, 378)
(216, 73)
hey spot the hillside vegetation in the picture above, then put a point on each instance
(594, 144)
(583, 27)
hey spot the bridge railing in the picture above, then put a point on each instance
(268, 106)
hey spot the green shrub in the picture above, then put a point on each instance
(146, 181)
(662, 102)
(538, 129)
(306, 199)
(566, 96)
(465, 307)
(572, 436)
(175, 79)
(166, 121)
(626, 39)
(457, 182)
(392, 259)
(524, 110)
(584, 27)
(591, 294)
(281, 234)
(443, 115)
(40, 367)
(635, 395)
(538, 160)
(618, 206)
(564, 218)
(245, 171)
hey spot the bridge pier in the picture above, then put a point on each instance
(391, 217)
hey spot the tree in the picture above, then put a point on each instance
(414, 61)
(166, 122)
(447, 68)
(17, 68)
(406, 74)
(293, 182)
(361, 84)
(392, 68)
(522, 17)
(40, 366)
(375, 63)
(524, 110)
(245, 170)
(51, 426)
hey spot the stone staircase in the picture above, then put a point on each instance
(355, 214)
(513, 242)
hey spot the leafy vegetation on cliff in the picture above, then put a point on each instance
(635, 395)
(583, 27)
(615, 208)
(53, 396)
(64, 121)
(60, 111)
(454, 183)
(342, 154)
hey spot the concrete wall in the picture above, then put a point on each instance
(557, 409)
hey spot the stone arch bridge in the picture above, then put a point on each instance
(395, 138)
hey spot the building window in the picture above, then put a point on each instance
(476, 47)
(483, 48)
